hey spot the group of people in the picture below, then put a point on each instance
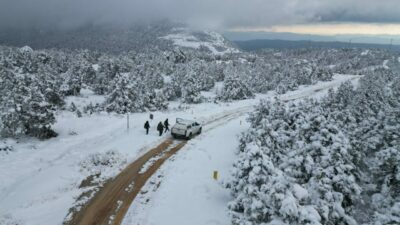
(161, 127)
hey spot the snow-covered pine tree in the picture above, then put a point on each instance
(261, 192)
(386, 200)
(311, 157)
(122, 98)
(26, 112)
(321, 74)
(131, 94)
(152, 100)
(328, 169)
(235, 89)
(72, 83)
(101, 84)
(190, 90)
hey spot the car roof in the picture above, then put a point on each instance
(184, 121)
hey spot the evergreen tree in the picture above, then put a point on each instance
(235, 89)
(123, 98)
(190, 90)
(26, 112)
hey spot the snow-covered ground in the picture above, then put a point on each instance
(39, 180)
(318, 90)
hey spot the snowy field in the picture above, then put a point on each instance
(39, 180)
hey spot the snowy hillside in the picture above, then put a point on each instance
(205, 40)
(116, 39)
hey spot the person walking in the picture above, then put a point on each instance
(160, 128)
(147, 127)
(166, 125)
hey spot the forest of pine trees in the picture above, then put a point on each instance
(35, 83)
(334, 161)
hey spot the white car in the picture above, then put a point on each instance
(185, 128)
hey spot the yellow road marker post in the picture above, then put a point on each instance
(215, 175)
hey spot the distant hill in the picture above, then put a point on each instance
(93, 37)
(251, 45)
(114, 39)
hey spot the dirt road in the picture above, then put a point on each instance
(111, 203)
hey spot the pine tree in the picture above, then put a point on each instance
(314, 174)
(259, 189)
(26, 112)
(190, 90)
(72, 83)
(122, 99)
(235, 89)
(330, 169)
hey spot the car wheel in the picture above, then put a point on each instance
(189, 137)
(200, 130)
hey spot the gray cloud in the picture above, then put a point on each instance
(371, 11)
(207, 13)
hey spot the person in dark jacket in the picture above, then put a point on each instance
(166, 125)
(160, 128)
(147, 127)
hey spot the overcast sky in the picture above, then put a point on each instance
(211, 14)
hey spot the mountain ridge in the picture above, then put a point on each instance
(257, 44)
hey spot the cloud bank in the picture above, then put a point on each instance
(213, 14)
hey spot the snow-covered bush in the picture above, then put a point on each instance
(6, 147)
(90, 108)
(103, 165)
(388, 216)
(7, 219)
